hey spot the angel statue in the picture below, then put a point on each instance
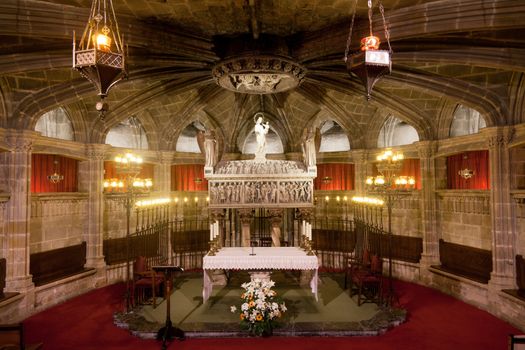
(208, 144)
(309, 147)
(261, 129)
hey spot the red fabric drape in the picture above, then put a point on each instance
(43, 165)
(341, 175)
(478, 161)
(183, 177)
(411, 167)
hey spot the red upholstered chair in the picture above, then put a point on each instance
(145, 282)
(354, 264)
(367, 282)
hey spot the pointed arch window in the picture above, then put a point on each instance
(56, 124)
(466, 121)
(396, 132)
(333, 138)
(187, 141)
(128, 134)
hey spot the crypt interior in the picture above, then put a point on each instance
(198, 74)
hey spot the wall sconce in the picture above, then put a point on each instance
(326, 180)
(466, 173)
(198, 180)
(55, 177)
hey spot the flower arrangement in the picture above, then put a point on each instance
(260, 307)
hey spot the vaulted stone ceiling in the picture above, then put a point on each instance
(445, 53)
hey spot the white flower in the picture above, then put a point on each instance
(283, 307)
(275, 306)
(244, 307)
(233, 309)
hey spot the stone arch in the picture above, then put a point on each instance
(4, 114)
(118, 134)
(517, 103)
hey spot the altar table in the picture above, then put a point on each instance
(265, 258)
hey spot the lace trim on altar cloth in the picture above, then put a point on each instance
(265, 258)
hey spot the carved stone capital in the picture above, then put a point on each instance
(275, 216)
(246, 215)
(216, 215)
(19, 143)
(165, 157)
(305, 214)
(96, 152)
(360, 156)
(426, 149)
(501, 138)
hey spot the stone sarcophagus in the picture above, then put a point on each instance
(260, 184)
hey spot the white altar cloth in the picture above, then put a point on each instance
(265, 258)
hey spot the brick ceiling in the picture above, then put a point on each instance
(445, 53)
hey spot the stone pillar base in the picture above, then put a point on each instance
(498, 282)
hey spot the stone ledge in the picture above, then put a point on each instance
(457, 278)
(10, 298)
(78, 276)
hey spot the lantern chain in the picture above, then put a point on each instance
(349, 40)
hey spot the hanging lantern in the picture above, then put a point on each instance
(100, 54)
(369, 64)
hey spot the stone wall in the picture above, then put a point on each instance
(464, 218)
(57, 220)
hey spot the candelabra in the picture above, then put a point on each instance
(389, 185)
(128, 167)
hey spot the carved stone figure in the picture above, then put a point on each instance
(261, 129)
(210, 148)
(309, 147)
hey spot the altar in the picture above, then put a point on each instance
(264, 258)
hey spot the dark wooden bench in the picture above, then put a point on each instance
(56, 264)
(468, 262)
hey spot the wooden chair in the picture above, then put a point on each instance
(354, 264)
(145, 281)
(366, 282)
(12, 338)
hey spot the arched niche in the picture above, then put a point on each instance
(247, 139)
(187, 140)
(129, 133)
(466, 121)
(396, 132)
(333, 137)
(56, 124)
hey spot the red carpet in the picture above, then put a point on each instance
(435, 321)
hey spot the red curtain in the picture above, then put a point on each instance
(43, 165)
(477, 161)
(335, 177)
(188, 177)
(411, 167)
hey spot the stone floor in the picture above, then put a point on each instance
(335, 314)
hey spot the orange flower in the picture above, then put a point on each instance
(251, 304)
(258, 317)
(242, 316)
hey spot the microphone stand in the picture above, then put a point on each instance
(252, 243)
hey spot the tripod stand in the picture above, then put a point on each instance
(168, 332)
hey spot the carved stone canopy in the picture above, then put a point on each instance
(258, 74)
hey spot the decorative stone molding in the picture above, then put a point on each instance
(258, 74)
(246, 216)
(471, 202)
(502, 138)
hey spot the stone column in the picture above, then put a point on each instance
(246, 217)
(428, 205)
(91, 181)
(18, 215)
(276, 219)
(502, 216)
(162, 173)
(363, 168)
